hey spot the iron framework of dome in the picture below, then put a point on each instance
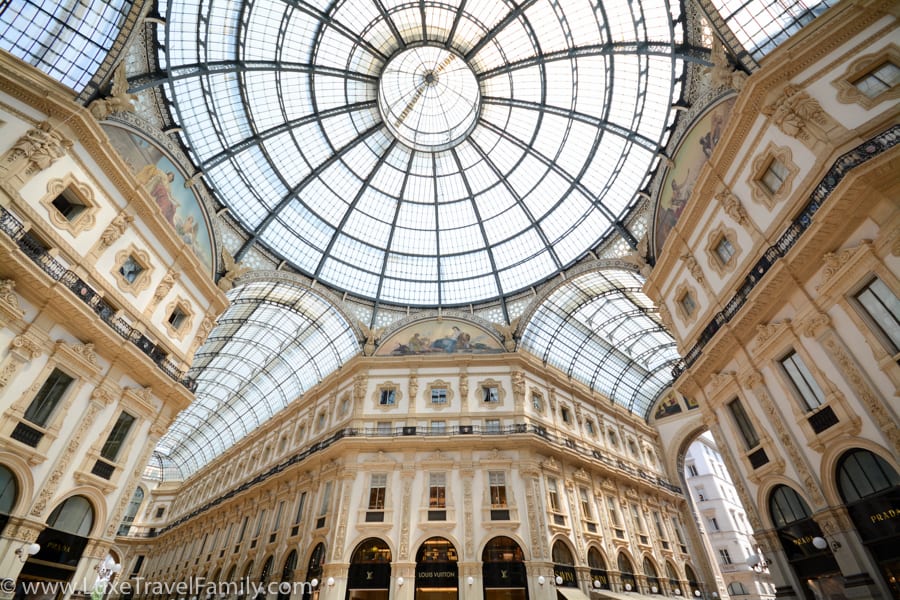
(424, 154)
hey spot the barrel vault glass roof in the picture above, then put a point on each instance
(279, 107)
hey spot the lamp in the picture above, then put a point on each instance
(677, 591)
(697, 593)
(654, 589)
(597, 583)
(313, 583)
(558, 580)
(541, 580)
(470, 580)
(27, 550)
(627, 587)
(400, 582)
(330, 582)
(822, 544)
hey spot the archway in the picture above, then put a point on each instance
(62, 542)
(692, 581)
(599, 575)
(9, 493)
(796, 530)
(563, 565)
(437, 575)
(626, 571)
(870, 488)
(652, 576)
(264, 577)
(314, 572)
(674, 583)
(369, 577)
(503, 570)
(287, 576)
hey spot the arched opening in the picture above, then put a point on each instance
(563, 565)
(599, 576)
(652, 576)
(287, 576)
(62, 542)
(692, 581)
(437, 575)
(674, 583)
(369, 577)
(870, 488)
(9, 493)
(796, 530)
(314, 572)
(242, 589)
(131, 511)
(503, 570)
(264, 576)
(626, 572)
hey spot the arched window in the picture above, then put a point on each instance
(672, 574)
(652, 576)
(595, 559)
(627, 573)
(693, 582)
(132, 510)
(736, 588)
(561, 554)
(861, 473)
(9, 490)
(75, 515)
(503, 572)
(786, 506)
(267, 570)
(369, 575)
(314, 568)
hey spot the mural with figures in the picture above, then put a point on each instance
(165, 184)
(446, 336)
(694, 151)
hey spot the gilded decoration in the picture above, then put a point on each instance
(77, 193)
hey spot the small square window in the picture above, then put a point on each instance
(68, 205)
(384, 427)
(490, 394)
(537, 402)
(589, 427)
(774, 176)
(879, 80)
(387, 397)
(438, 427)
(160, 512)
(688, 303)
(492, 426)
(130, 269)
(439, 395)
(177, 318)
(724, 250)
(564, 413)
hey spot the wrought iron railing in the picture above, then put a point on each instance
(841, 167)
(33, 249)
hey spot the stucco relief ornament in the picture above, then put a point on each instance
(797, 114)
(732, 206)
(638, 257)
(119, 100)
(371, 335)
(7, 294)
(165, 286)
(666, 317)
(115, 229)
(507, 332)
(233, 270)
(39, 148)
(721, 74)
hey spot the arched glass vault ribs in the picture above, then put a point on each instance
(283, 104)
(599, 328)
(274, 342)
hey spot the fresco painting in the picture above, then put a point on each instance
(667, 406)
(439, 337)
(695, 150)
(165, 183)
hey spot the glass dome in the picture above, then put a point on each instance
(424, 154)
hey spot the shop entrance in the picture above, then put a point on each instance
(437, 574)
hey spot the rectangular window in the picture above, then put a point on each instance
(713, 524)
(724, 250)
(177, 318)
(437, 490)
(383, 427)
(300, 505)
(41, 407)
(774, 176)
(688, 304)
(387, 397)
(553, 494)
(497, 480)
(259, 524)
(243, 529)
(490, 394)
(589, 427)
(883, 308)
(377, 488)
(116, 438)
(879, 80)
(68, 205)
(439, 427)
(657, 522)
(586, 513)
(492, 425)
(537, 402)
(678, 532)
(613, 513)
(276, 524)
(638, 520)
(439, 395)
(326, 499)
(564, 413)
(228, 536)
(692, 470)
(130, 269)
(725, 556)
(160, 512)
(803, 380)
(744, 424)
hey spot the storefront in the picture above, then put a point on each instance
(503, 570)
(369, 577)
(437, 573)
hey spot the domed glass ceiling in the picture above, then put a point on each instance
(424, 153)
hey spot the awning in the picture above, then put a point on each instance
(609, 595)
(570, 593)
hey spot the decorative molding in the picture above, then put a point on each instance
(835, 261)
(118, 100)
(722, 75)
(233, 270)
(82, 192)
(815, 324)
(712, 241)
(508, 334)
(848, 93)
(798, 115)
(768, 331)
(163, 288)
(732, 206)
(115, 229)
(371, 335)
(39, 148)
(142, 280)
(761, 163)
(184, 305)
(693, 268)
